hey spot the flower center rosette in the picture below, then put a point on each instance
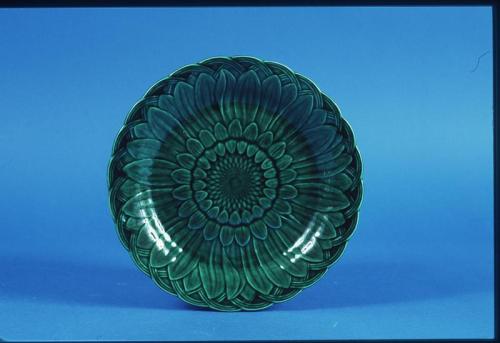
(235, 183)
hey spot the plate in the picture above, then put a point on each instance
(235, 183)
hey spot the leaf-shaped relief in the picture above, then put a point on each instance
(259, 230)
(194, 146)
(142, 131)
(288, 176)
(320, 197)
(293, 118)
(166, 127)
(341, 181)
(204, 95)
(248, 293)
(207, 138)
(146, 203)
(185, 104)
(242, 235)
(224, 90)
(327, 171)
(129, 188)
(197, 220)
(272, 219)
(289, 93)
(148, 149)
(312, 142)
(192, 281)
(278, 251)
(211, 272)
(271, 267)
(265, 139)
(151, 172)
(277, 150)
(251, 131)
(211, 230)
(246, 98)
(288, 192)
(232, 277)
(316, 119)
(234, 129)
(187, 260)
(269, 103)
(254, 273)
(226, 235)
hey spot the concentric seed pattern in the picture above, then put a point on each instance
(235, 183)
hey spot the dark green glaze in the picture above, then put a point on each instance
(235, 183)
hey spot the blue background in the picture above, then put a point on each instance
(420, 264)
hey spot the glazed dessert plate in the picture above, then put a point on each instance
(235, 183)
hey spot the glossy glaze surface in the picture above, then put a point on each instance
(235, 183)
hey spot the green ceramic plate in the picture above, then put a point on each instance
(235, 183)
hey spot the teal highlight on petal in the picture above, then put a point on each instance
(242, 146)
(270, 193)
(231, 146)
(265, 203)
(226, 235)
(182, 192)
(259, 230)
(235, 129)
(187, 208)
(251, 131)
(223, 217)
(147, 148)
(199, 173)
(271, 183)
(194, 146)
(277, 150)
(252, 150)
(206, 204)
(200, 195)
(220, 149)
(186, 160)
(199, 185)
(197, 220)
(242, 235)
(207, 138)
(265, 139)
(246, 216)
(273, 219)
(213, 212)
(257, 211)
(211, 230)
(235, 218)
(150, 172)
(284, 161)
(210, 155)
(287, 176)
(259, 156)
(267, 164)
(288, 192)
(247, 95)
(181, 175)
(220, 132)
(270, 173)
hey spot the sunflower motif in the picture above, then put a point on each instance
(235, 183)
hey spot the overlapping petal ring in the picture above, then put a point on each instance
(235, 183)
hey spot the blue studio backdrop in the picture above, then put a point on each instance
(414, 83)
